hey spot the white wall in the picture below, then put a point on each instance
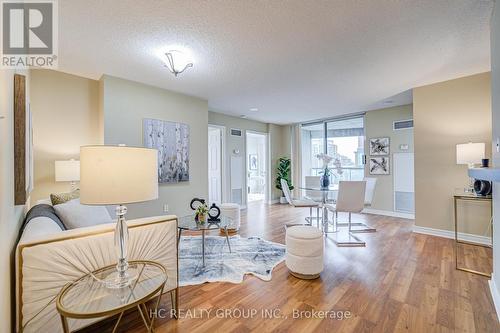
(495, 94)
(10, 216)
(126, 104)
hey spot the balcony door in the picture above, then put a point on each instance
(342, 139)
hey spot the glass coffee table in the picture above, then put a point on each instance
(189, 223)
(88, 297)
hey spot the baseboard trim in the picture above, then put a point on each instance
(495, 295)
(451, 234)
(389, 213)
(274, 201)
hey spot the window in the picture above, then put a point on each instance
(343, 140)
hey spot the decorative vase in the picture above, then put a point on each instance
(324, 181)
(201, 218)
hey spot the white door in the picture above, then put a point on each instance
(214, 165)
(404, 186)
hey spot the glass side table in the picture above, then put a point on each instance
(189, 223)
(88, 297)
(466, 196)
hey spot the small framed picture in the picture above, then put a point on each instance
(379, 166)
(379, 146)
(253, 162)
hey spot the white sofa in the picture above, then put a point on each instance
(47, 258)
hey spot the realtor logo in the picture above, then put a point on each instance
(29, 34)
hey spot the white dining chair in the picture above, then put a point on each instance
(313, 182)
(350, 199)
(301, 203)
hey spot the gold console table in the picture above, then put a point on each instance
(470, 197)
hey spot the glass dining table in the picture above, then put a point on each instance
(344, 237)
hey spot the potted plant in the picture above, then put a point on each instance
(283, 172)
(201, 213)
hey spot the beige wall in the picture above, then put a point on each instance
(126, 104)
(379, 123)
(445, 114)
(66, 116)
(278, 137)
(10, 216)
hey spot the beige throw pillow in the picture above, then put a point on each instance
(60, 198)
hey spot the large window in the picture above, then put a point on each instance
(341, 139)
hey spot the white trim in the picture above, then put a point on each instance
(451, 234)
(224, 195)
(495, 295)
(389, 213)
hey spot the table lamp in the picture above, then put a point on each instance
(68, 171)
(118, 175)
(470, 154)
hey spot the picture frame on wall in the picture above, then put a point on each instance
(379, 146)
(379, 165)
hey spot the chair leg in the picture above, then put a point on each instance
(310, 215)
(317, 217)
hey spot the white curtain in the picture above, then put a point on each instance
(296, 158)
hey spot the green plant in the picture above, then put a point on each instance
(283, 172)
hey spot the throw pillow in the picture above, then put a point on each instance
(60, 198)
(75, 215)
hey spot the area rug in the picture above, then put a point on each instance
(249, 256)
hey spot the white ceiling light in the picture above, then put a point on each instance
(177, 62)
(254, 109)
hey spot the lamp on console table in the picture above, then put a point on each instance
(118, 175)
(68, 171)
(470, 154)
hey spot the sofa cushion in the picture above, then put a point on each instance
(60, 198)
(75, 215)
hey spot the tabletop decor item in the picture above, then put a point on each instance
(325, 174)
(213, 213)
(201, 213)
(118, 175)
(284, 172)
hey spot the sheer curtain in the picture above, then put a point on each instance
(296, 157)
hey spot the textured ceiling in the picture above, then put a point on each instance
(294, 60)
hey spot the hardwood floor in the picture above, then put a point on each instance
(400, 282)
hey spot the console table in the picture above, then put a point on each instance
(470, 197)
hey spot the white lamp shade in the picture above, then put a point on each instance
(113, 175)
(67, 171)
(470, 153)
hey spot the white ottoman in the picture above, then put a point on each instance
(304, 251)
(231, 210)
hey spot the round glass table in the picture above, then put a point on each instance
(88, 297)
(189, 223)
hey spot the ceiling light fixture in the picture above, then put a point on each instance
(243, 116)
(177, 62)
(254, 109)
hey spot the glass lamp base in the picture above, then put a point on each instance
(115, 281)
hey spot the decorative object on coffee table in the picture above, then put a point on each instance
(88, 297)
(213, 213)
(118, 175)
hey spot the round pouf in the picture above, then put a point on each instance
(231, 210)
(304, 251)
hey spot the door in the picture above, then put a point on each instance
(404, 186)
(215, 165)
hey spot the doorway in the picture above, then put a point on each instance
(216, 135)
(256, 166)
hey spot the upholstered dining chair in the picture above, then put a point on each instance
(350, 199)
(313, 182)
(301, 203)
